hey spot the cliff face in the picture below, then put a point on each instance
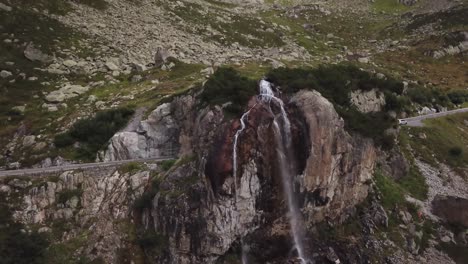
(338, 166)
(198, 211)
(85, 213)
(204, 210)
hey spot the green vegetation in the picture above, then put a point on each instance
(167, 164)
(18, 246)
(458, 97)
(131, 168)
(414, 183)
(442, 139)
(245, 30)
(227, 85)
(392, 193)
(389, 6)
(94, 133)
(335, 82)
(146, 200)
(48, 35)
(66, 195)
(150, 240)
(450, 19)
(66, 252)
(428, 96)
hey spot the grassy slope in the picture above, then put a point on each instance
(442, 135)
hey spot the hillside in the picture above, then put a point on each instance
(106, 80)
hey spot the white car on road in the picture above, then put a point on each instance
(402, 122)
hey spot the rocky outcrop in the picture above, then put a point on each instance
(198, 207)
(166, 132)
(339, 166)
(204, 210)
(453, 210)
(368, 101)
(92, 204)
(66, 92)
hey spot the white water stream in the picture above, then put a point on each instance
(282, 131)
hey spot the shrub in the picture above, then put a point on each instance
(149, 239)
(17, 246)
(131, 167)
(392, 193)
(145, 201)
(226, 85)
(415, 183)
(66, 195)
(93, 133)
(458, 97)
(455, 151)
(167, 164)
(63, 140)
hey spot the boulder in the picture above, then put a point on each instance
(29, 141)
(34, 54)
(161, 57)
(5, 7)
(66, 92)
(453, 210)
(5, 74)
(70, 63)
(111, 66)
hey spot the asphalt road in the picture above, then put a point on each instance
(37, 171)
(417, 120)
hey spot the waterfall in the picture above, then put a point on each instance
(234, 151)
(282, 131)
(234, 171)
(284, 153)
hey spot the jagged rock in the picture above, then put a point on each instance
(139, 67)
(161, 56)
(29, 141)
(137, 78)
(40, 146)
(340, 157)
(20, 108)
(5, 189)
(151, 138)
(70, 63)
(406, 217)
(364, 60)
(66, 92)
(453, 210)
(111, 66)
(34, 54)
(5, 7)
(5, 74)
(368, 101)
(332, 256)
(408, 2)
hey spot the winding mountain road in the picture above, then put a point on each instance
(37, 171)
(417, 120)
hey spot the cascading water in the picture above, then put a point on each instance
(234, 171)
(234, 151)
(282, 131)
(283, 138)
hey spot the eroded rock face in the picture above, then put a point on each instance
(338, 166)
(96, 204)
(204, 212)
(166, 132)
